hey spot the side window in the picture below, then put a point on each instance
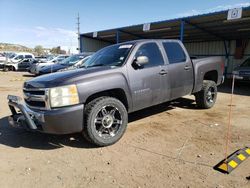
(151, 50)
(28, 56)
(174, 52)
(19, 57)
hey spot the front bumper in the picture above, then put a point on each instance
(2, 65)
(56, 121)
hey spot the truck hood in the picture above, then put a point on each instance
(64, 78)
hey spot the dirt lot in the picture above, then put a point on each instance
(170, 145)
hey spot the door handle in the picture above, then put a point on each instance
(163, 72)
(187, 67)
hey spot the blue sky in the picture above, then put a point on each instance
(53, 22)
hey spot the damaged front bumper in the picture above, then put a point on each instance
(57, 121)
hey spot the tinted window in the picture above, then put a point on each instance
(28, 56)
(151, 50)
(174, 52)
(246, 63)
(19, 57)
(114, 55)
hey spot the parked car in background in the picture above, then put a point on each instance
(23, 65)
(37, 67)
(7, 56)
(2, 60)
(116, 80)
(2, 57)
(79, 64)
(68, 62)
(57, 59)
(242, 72)
(12, 62)
(41, 58)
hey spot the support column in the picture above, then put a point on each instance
(81, 45)
(117, 36)
(182, 30)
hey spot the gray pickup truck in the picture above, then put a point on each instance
(115, 81)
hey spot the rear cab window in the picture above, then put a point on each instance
(175, 52)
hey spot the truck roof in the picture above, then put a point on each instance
(149, 40)
(23, 53)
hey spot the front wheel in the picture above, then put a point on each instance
(206, 98)
(106, 120)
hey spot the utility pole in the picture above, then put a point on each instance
(78, 32)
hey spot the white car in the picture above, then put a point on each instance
(2, 57)
(37, 67)
(12, 61)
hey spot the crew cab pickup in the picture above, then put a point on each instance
(117, 80)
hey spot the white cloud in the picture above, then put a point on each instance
(214, 9)
(189, 13)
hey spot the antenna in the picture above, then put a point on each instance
(78, 32)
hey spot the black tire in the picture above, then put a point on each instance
(105, 121)
(206, 98)
(12, 68)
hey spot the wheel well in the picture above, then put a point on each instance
(211, 75)
(116, 93)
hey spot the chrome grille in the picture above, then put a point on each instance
(36, 98)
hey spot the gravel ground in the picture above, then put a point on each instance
(169, 145)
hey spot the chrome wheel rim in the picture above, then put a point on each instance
(108, 120)
(210, 95)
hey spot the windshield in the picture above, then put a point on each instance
(82, 63)
(71, 60)
(12, 56)
(110, 56)
(246, 63)
(50, 58)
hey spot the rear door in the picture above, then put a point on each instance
(146, 82)
(180, 69)
(22, 64)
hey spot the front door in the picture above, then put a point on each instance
(24, 64)
(146, 81)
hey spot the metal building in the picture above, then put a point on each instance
(224, 33)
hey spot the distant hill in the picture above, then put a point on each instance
(14, 47)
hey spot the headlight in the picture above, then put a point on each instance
(63, 96)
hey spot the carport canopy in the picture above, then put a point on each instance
(199, 28)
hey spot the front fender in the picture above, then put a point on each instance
(101, 83)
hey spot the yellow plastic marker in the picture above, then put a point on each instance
(233, 164)
(241, 157)
(248, 151)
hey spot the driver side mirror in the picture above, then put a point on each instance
(142, 60)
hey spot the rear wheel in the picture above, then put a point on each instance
(105, 121)
(206, 98)
(12, 68)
